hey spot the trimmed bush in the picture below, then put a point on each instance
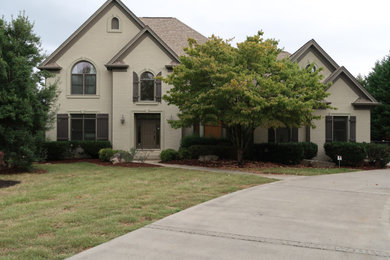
(190, 140)
(92, 148)
(284, 153)
(184, 153)
(222, 151)
(106, 153)
(309, 150)
(125, 155)
(56, 150)
(378, 154)
(353, 154)
(168, 155)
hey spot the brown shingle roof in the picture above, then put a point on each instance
(173, 32)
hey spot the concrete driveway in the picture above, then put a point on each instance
(340, 216)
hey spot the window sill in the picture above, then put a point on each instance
(147, 103)
(82, 96)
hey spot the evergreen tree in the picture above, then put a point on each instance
(244, 87)
(25, 101)
(378, 84)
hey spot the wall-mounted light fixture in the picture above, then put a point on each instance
(122, 119)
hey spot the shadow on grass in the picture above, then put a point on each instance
(8, 183)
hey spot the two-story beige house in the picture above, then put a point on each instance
(107, 69)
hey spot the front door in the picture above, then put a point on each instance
(148, 131)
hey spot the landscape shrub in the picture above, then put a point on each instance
(353, 154)
(56, 150)
(106, 153)
(91, 148)
(309, 150)
(168, 155)
(190, 140)
(184, 153)
(222, 151)
(284, 153)
(378, 154)
(128, 157)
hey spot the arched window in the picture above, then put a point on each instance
(313, 69)
(147, 86)
(83, 79)
(115, 23)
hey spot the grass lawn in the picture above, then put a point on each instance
(303, 171)
(77, 206)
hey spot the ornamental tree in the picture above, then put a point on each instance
(244, 88)
(25, 101)
(378, 84)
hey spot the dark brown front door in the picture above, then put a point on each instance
(148, 131)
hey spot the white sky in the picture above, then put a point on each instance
(354, 33)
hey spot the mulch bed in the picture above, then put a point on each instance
(97, 161)
(228, 164)
(231, 164)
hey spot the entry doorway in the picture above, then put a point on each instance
(148, 131)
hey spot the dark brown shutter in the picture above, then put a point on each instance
(62, 127)
(352, 128)
(135, 87)
(328, 128)
(294, 134)
(307, 133)
(102, 127)
(158, 88)
(271, 135)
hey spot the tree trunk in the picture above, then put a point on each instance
(240, 156)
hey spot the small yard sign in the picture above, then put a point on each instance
(339, 158)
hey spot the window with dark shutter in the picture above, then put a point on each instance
(102, 127)
(158, 88)
(294, 134)
(328, 128)
(271, 135)
(62, 127)
(340, 127)
(352, 128)
(135, 87)
(307, 133)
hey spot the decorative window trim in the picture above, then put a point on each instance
(68, 77)
(109, 21)
(157, 94)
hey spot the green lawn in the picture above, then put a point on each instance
(304, 171)
(77, 206)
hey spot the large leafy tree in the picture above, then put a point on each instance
(378, 84)
(25, 101)
(244, 87)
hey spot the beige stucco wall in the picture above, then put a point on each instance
(147, 56)
(313, 56)
(341, 97)
(97, 46)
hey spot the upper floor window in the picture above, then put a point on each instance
(115, 23)
(313, 69)
(147, 86)
(83, 79)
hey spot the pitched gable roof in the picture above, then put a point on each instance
(50, 64)
(117, 60)
(365, 98)
(296, 56)
(173, 32)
